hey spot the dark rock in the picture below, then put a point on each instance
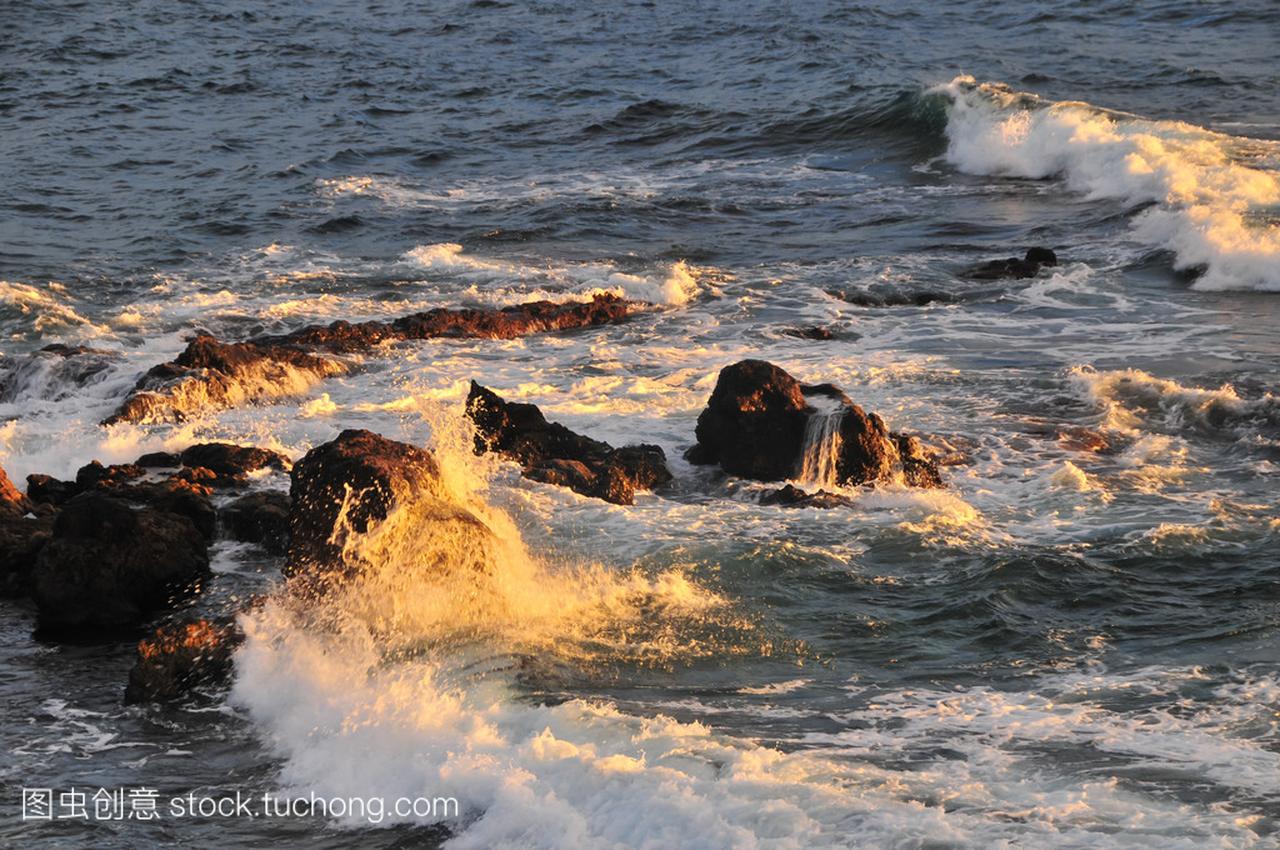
(814, 333)
(109, 565)
(754, 427)
(180, 657)
(551, 453)
(1012, 267)
(894, 297)
(792, 496)
(754, 422)
(94, 475)
(345, 487)
(159, 460)
(233, 461)
(261, 518)
(48, 490)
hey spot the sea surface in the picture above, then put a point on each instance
(1064, 648)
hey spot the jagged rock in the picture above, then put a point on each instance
(180, 657)
(754, 426)
(506, 323)
(551, 453)
(233, 461)
(109, 565)
(792, 496)
(11, 499)
(212, 375)
(261, 518)
(22, 535)
(345, 488)
(1012, 267)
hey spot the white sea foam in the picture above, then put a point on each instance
(1208, 188)
(674, 287)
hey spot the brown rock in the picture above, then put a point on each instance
(180, 657)
(551, 453)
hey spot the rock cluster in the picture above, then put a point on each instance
(551, 453)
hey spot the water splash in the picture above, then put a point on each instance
(820, 454)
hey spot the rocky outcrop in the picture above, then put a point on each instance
(505, 323)
(180, 657)
(754, 426)
(1012, 267)
(551, 453)
(261, 518)
(345, 488)
(211, 374)
(24, 529)
(110, 565)
(233, 462)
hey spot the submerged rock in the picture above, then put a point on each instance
(344, 489)
(52, 372)
(1012, 267)
(211, 374)
(109, 565)
(261, 518)
(757, 424)
(180, 657)
(792, 496)
(551, 453)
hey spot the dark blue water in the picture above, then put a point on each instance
(1065, 648)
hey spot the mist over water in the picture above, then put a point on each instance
(1072, 645)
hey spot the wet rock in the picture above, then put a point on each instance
(896, 297)
(551, 453)
(212, 375)
(792, 496)
(181, 657)
(232, 461)
(261, 518)
(94, 475)
(346, 487)
(52, 372)
(109, 565)
(22, 536)
(754, 427)
(814, 333)
(11, 499)
(159, 460)
(1012, 267)
(45, 489)
(506, 323)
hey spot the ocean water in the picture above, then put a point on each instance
(1062, 649)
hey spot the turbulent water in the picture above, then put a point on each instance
(1062, 649)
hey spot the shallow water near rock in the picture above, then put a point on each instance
(1074, 644)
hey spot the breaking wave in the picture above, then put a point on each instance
(1213, 196)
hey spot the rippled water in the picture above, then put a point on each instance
(1062, 649)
